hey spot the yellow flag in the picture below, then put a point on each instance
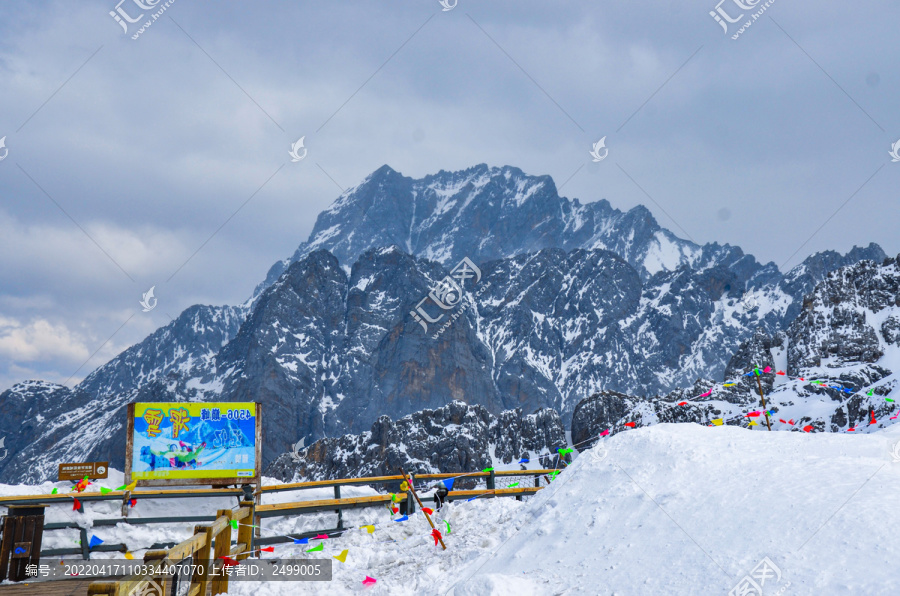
(753, 423)
(729, 384)
(718, 421)
(129, 555)
(369, 529)
(343, 556)
(131, 486)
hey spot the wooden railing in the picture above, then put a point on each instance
(246, 494)
(209, 544)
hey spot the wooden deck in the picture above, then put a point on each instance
(61, 587)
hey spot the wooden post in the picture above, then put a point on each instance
(763, 397)
(337, 495)
(203, 558)
(491, 481)
(245, 531)
(157, 557)
(222, 549)
(428, 517)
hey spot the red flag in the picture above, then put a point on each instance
(76, 505)
(872, 421)
(133, 502)
(850, 430)
(801, 378)
(395, 510)
(268, 549)
(229, 562)
(428, 510)
(436, 534)
(807, 428)
(631, 424)
(683, 403)
(782, 420)
(780, 372)
(791, 421)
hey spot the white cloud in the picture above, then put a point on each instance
(39, 339)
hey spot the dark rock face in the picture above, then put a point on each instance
(455, 438)
(599, 412)
(754, 353)
(833, 324)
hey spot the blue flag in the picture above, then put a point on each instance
(449, 483)
(95, 542)
(404, 518)
(524, 460)
(472, 499)
(301, 540)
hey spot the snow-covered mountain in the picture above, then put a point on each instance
(840, 360)
(488, 213)
(571, 299)
(455, 438)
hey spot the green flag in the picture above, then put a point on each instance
(488, 470)
(54, 491)
(104, 490)
(234, 524)
(316, 548)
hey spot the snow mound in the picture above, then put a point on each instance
(668, 509)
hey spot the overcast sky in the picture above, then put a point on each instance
(126, 156)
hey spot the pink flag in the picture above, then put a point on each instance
(767, 369)
(321, 536)
(369, 581)
(707, 394)
(604, 433)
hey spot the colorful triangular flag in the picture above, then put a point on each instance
(316, 548)
(95, 542)
(402, 519)
(449, 483)
(343, 556)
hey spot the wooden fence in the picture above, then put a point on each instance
(210, 542)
